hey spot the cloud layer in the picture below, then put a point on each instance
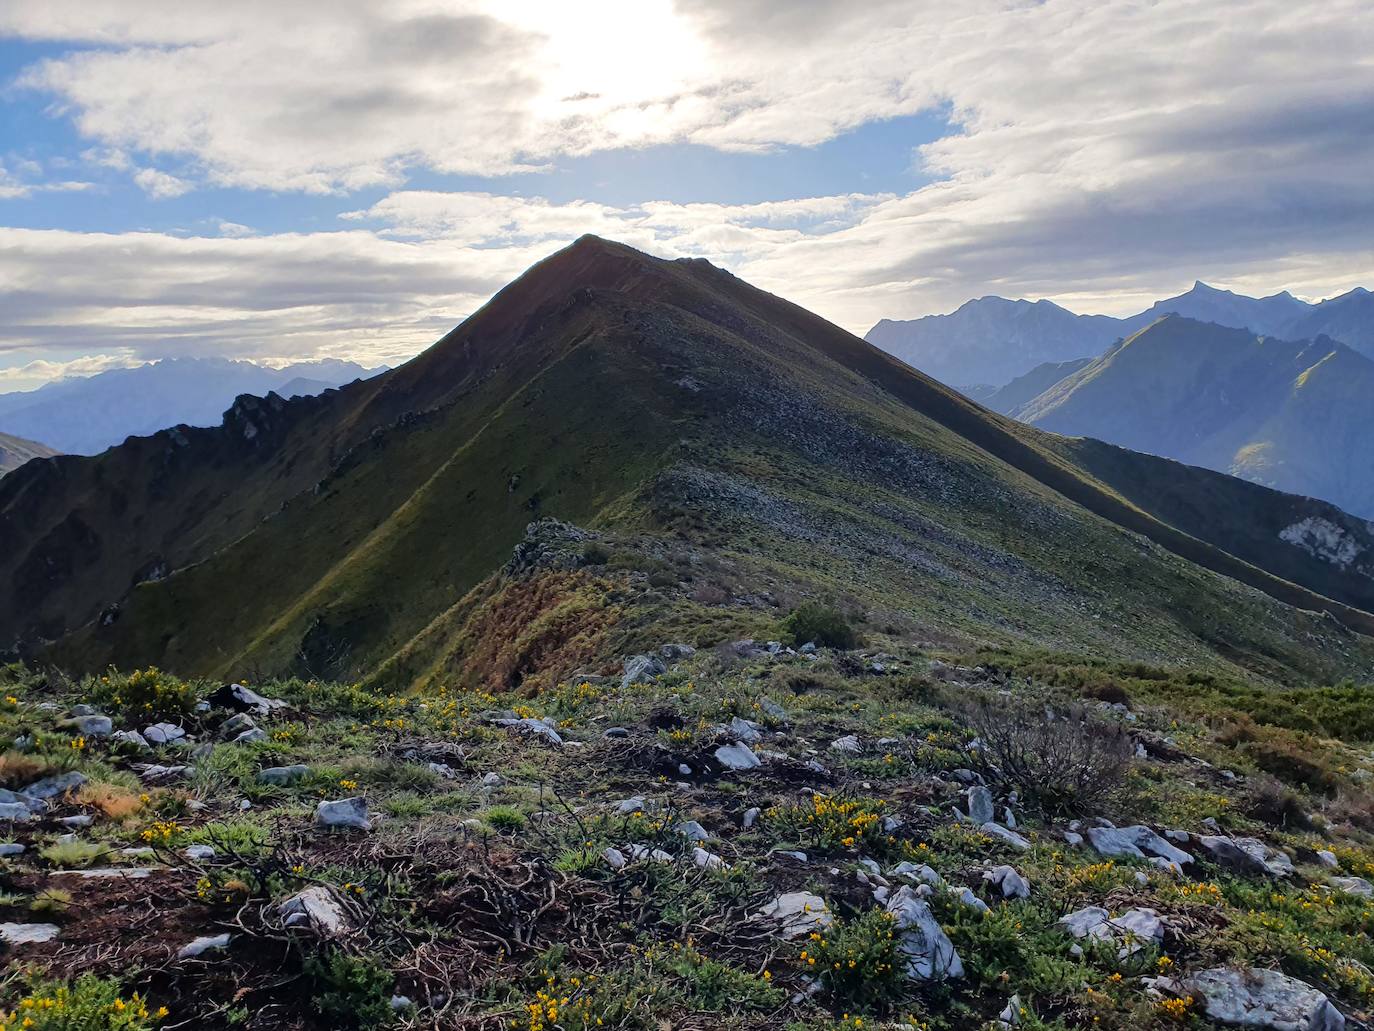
(1104, 152)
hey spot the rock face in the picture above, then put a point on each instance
(798, 913)
(345, 813)
(929, 953)
(1263, 999)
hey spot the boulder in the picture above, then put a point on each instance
(236, 725)
(1262, 998)
(642, 669)
(344, 813)
(615, 858)
(922, 943)
(534, 727)
(745, 730)
(1354, 886)
(674, 652)
(798, 913)
(708, 860)
(244, 699)
(849, 744)
(130, 738)
(1137, 841)
(1246, 855)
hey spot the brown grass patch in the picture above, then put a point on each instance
(17, 769)
(116, 802)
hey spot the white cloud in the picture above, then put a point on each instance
(160, 185)
(1104, 151)
(39, 371)
(14, 187)
(236, 230)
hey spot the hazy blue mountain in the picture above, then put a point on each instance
(992, 341)
(1296, 416)
(1009, 399)
(86, 416)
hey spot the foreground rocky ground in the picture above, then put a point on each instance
(748, 836)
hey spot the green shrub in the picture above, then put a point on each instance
(87, 1004)
(858, 962)
(351, 991)
(818, 623)
(715, 986)
(73, 855)
(504, 818)
(145, 695)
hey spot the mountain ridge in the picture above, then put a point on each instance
(665, 399)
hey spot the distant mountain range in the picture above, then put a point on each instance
(1297, 416)
(993, 340)
(15, 451)
(382, 531)
(86, 416)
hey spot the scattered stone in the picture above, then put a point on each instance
(630, 806)
(1073, 838)
(281, 776)
(343, 813)
(928, 952)
(800, 857)
(684, 770)
(250, 736)
(201, 945)
(642, 669)
(693, 831)
(615, 858)
(100, 873)
(614, 732)
(138, 853)
(773, 710)
(1011, 1013)
(537, 728)
(1089, 922)
(656, 855)
(51, 787)
(11, 848)
(15, 812)
(809, 648)
(1328, 859)
(199, 853)
(1013, 839)
(1262, 998)
(163, 733)
(27, 934)
(965, 895)
(443, 770)
(156, 773)
(674, 652)
(849, 744)
(745, 730)
(1132, 930)
(236, 725)
(737, 757)
(798, 913)
(751, 816)
(708, 860)
(90, 726)
(83, 820)
(922, 873)
(491, 780)
(1008, 881)
(980, 807)
(131, 738)
(315, 908)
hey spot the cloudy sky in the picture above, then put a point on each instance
(291, 179)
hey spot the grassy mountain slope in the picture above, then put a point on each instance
(1009, 399)
(15, 451)
(1294, 416)
(757, 450)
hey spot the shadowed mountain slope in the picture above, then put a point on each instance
(361, 532)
